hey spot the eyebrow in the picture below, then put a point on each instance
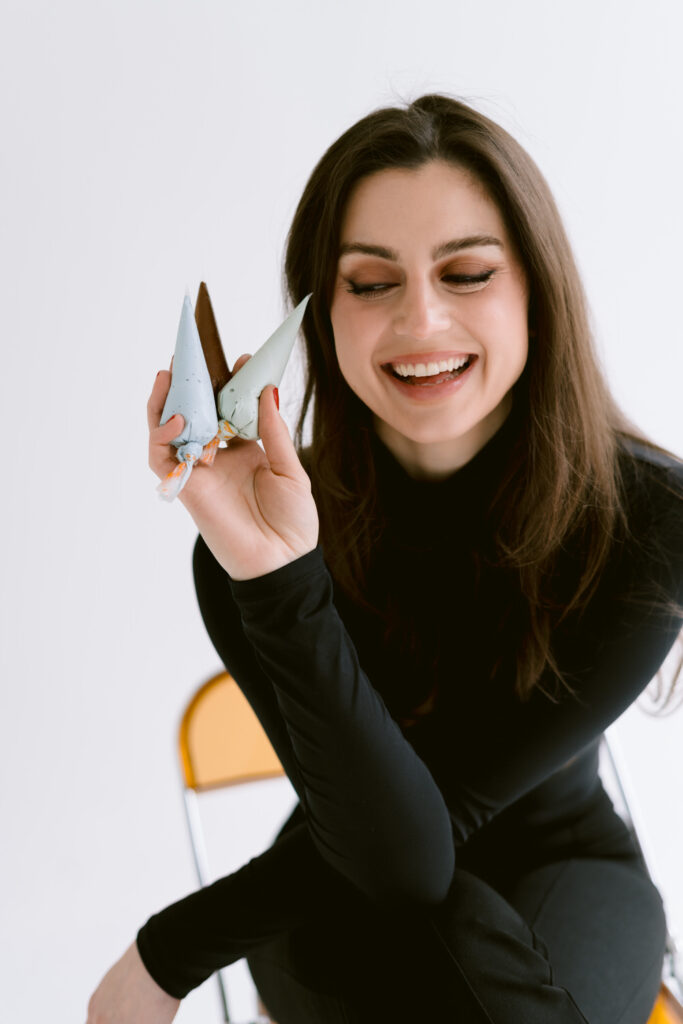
(445, 249)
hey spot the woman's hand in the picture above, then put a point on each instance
(129, 995)
(254, 510)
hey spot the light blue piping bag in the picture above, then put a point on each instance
(191, 395)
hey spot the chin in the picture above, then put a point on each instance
(431, 434)
(446, 429)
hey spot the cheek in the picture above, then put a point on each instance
(356, 334)
(504, 329)
(508, 354)
(514, 357)
(346, 345)
(341, 335)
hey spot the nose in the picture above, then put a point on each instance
(421, 312)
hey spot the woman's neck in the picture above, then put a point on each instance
(441, 459)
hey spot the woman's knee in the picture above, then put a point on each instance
(473, 907)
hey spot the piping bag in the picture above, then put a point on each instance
(211, 340)
(198, 386)
(238, 399)
(191, 395)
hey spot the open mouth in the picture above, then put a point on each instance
(429, 374)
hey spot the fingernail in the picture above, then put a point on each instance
(276, 396)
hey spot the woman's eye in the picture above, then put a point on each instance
(368, 291)
(458, 281)
(469, 282)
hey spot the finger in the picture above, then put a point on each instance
(163, 435)
(162, 457)
(239, 363)
(157, 399)
(277, 443)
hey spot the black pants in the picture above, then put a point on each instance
(572, 941)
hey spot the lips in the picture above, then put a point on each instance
(427, 386)
(429, 371)
(432, 373)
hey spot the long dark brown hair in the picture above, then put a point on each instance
(563, 480)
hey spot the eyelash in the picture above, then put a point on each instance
(370, 291)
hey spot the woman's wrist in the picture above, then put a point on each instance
(287, 575)
(162, 977)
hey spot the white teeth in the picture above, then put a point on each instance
(428, 369)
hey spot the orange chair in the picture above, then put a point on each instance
(222, 743)
(667, 1009)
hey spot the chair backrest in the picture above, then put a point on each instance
(221, 741)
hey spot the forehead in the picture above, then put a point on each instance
(431, 203)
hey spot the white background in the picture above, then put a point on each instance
(147, 146)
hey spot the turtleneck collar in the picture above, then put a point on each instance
(470, 485)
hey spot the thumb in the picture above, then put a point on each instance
(277, 443)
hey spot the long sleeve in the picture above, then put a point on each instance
(609, 654)
(373, 808)
(292, 882)
(284, 887)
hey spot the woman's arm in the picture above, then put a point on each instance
(292, 882)
(374, 811)
(181, 946)
(286, 886)
(609, 655)
(129, 995)
(373, 808)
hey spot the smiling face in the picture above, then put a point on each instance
(429, 313)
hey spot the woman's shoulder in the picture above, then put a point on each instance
(652, 486)
(657, 461)
(652, 480)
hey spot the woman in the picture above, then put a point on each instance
(475, 570)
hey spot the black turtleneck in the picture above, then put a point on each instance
(389, 803)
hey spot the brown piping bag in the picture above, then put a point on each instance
(211, 340)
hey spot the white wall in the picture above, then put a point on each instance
(149, 145)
